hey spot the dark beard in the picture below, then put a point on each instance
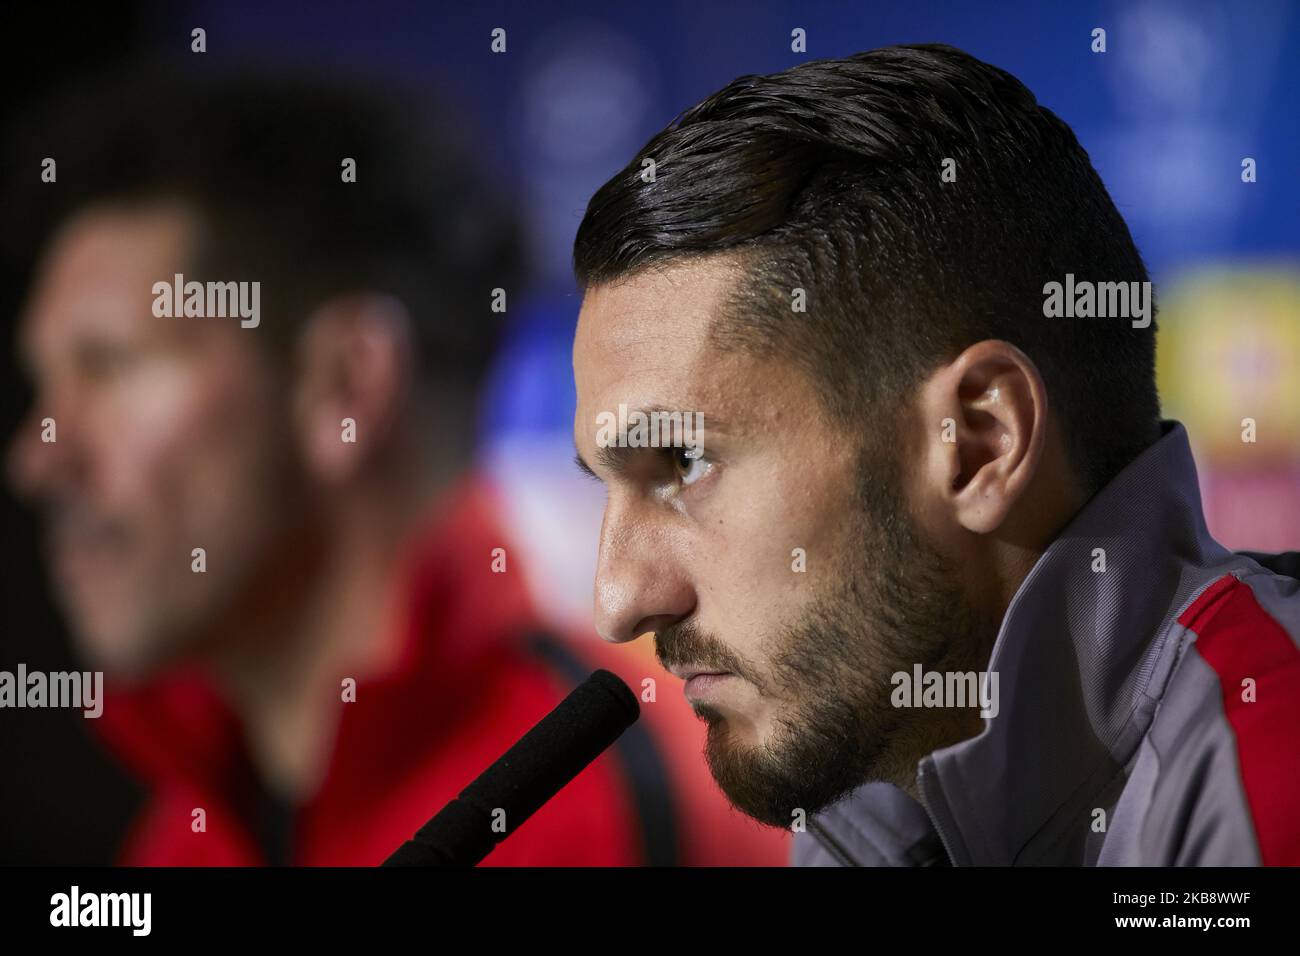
(899, 602)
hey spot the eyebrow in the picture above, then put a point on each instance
(618, 459)
(613, 459)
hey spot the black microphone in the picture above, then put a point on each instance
(535, 769)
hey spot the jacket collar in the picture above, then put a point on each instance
(1081, 658)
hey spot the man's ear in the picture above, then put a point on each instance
(986, 417)
(354, 369)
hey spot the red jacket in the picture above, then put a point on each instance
(476, 673)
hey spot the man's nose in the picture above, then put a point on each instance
(41, 451)
(641, 586)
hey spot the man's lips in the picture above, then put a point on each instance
(689, 673)
(75, 549)
(78, 528)
(699, 680)
(700, 685)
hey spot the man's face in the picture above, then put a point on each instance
(166, 440)
(782, 557)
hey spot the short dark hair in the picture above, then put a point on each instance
(827, 177)
(257, 156)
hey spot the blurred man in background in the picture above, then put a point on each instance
(268, 531)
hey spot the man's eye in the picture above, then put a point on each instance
(105, 362)
(691, 465)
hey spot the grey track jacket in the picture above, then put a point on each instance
(1149, 714)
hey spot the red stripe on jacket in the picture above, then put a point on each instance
(1240, 640)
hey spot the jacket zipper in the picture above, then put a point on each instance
(931, 800)
(831, 845)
